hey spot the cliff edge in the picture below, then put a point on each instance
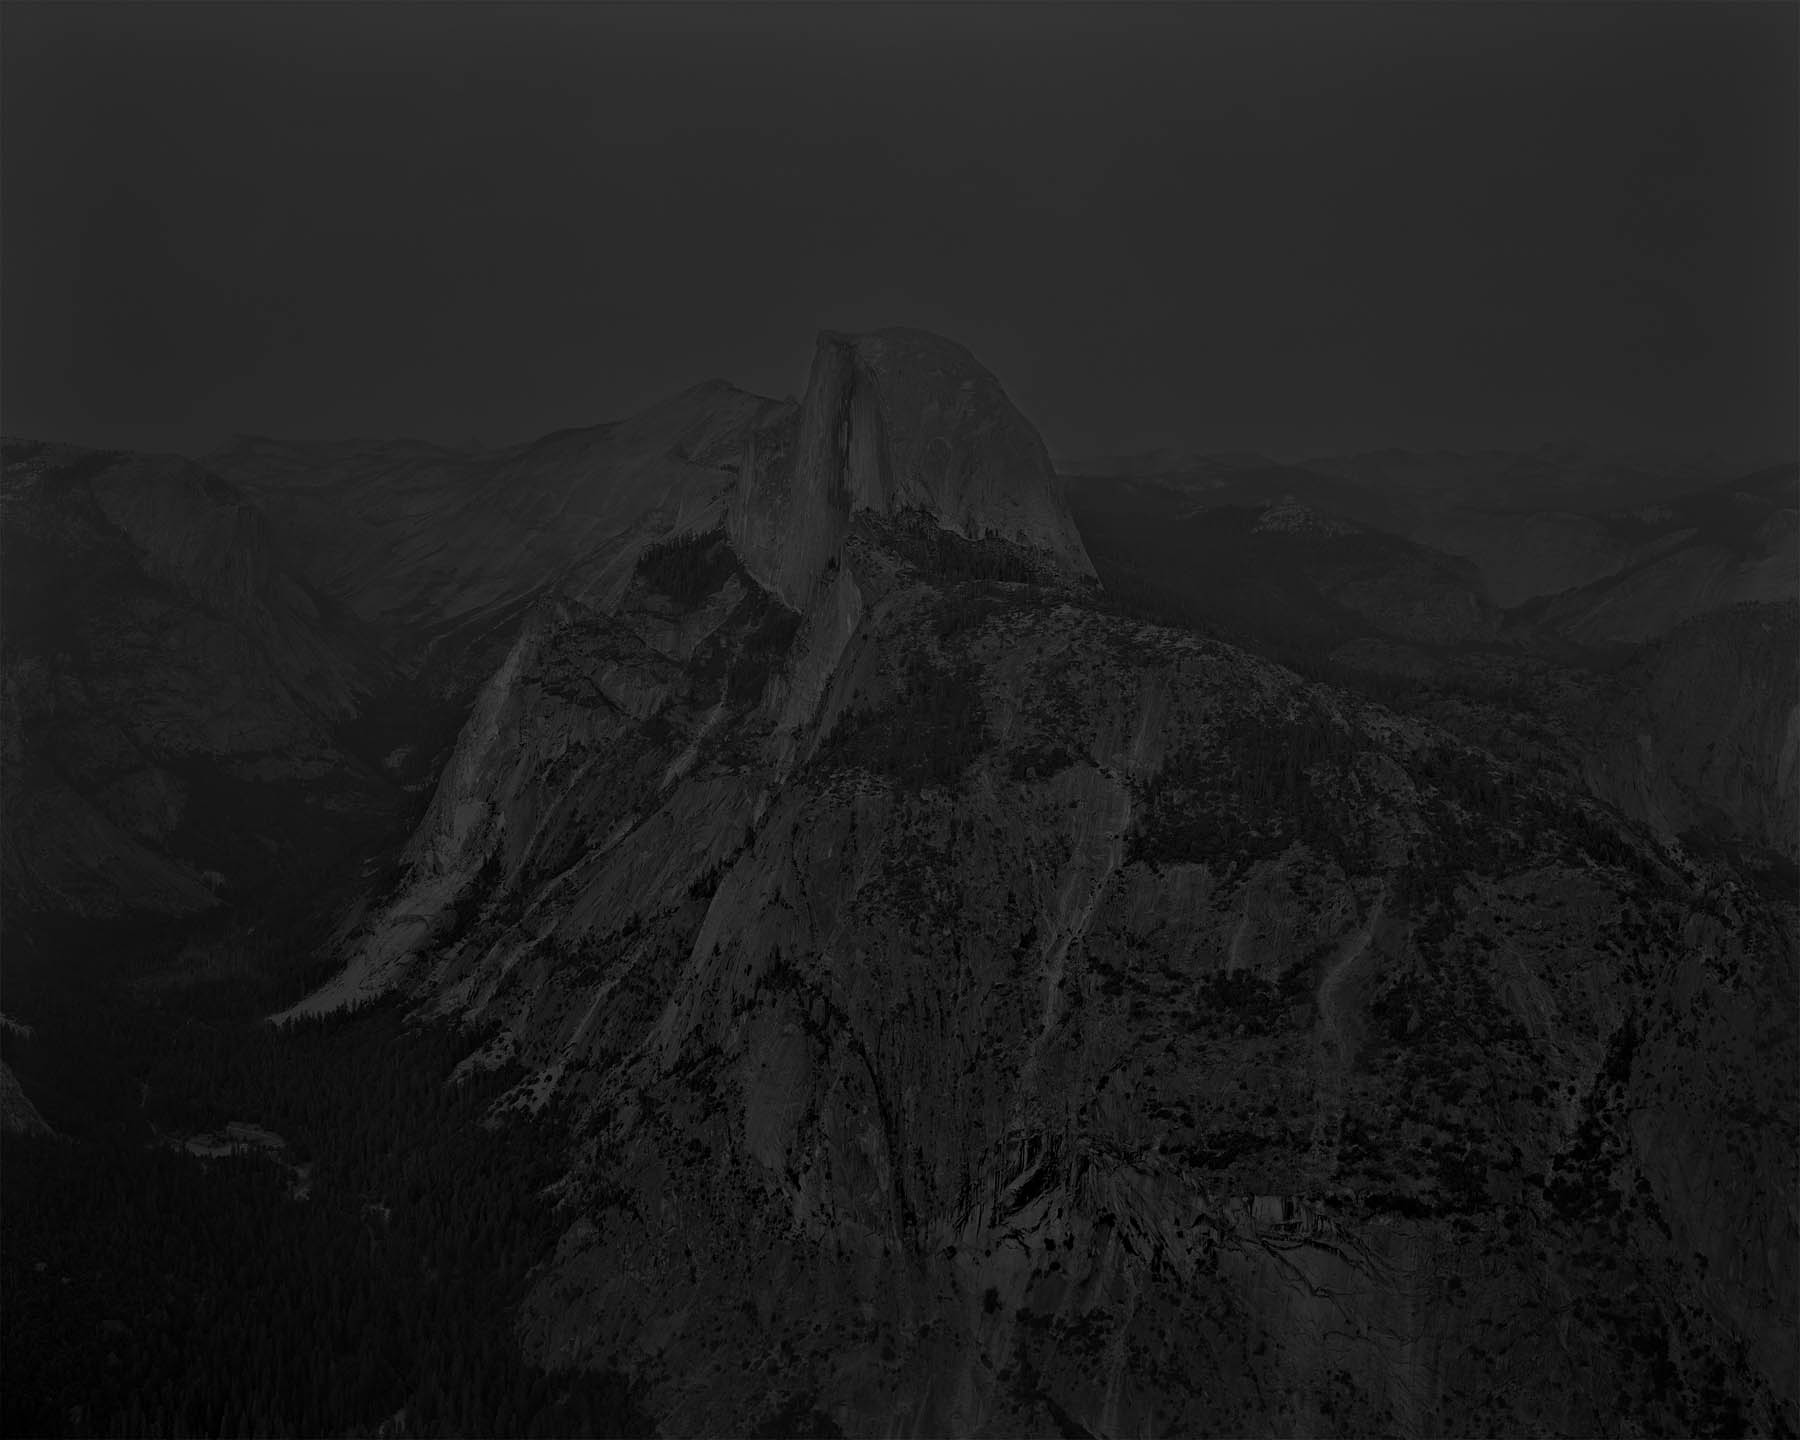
(892, 422)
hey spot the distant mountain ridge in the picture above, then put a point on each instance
(1315, 569)
(422, 542)
(381, 580)
(1627, 554)
(1564, 476)
(400, 572)
(161, 664)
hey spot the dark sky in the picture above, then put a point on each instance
(1282, 227)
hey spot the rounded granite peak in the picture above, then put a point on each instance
(898, 420)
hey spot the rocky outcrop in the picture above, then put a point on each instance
(461, 828)
(1064, 1021)
(578, 739)
(899, 421)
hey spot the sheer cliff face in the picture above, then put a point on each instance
(1058, 1020)
(892, 422)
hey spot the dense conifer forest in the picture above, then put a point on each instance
(363, 1279)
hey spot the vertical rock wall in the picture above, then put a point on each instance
(895, 421)
(793, 508)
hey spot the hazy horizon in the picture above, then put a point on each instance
(1291, 229)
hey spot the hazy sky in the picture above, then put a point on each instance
(1261, 226)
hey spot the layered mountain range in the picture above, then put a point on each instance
(162, 665)
(1005, 953)
(424, 544)
(1315, 567)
